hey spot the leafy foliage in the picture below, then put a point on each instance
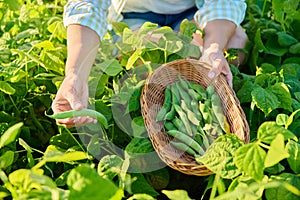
(40, 160)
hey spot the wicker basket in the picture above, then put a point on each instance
(152, 99)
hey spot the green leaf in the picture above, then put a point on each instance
(159, 179)
(295, 48)
(162, 30)
(5, 117)
(129, 37)
(140, 185)
(265, 100)
(6, 159)
(17, 76)
(277, 152)
(173, 46)
(45, 45)
(12, 5)
(243, 93)
(219, 156)
(289, 188)
(138, 126)
(258, 42)
(274, 48)
(64, 140)
(146, 28)
(134, 101)
(28, 149)
(187, 29)
(93, 146)
(268, 131)
(18, 177)
(85, 183)
(244, 187)
(293, 148)
(250, 159)
(133, 58)
(119, 27)
(292, 118)
(6, 88)
(110, 166)
(282, 119)
(142, 156)
(176, 194)
(275, 169)
(141, 197)
(283, 95)
(265, 68)
(33, 179)
(285, 39)
(10, 134)
(97, 84)
(111, 67)
(58, 29)
(139, 146)
(53, 154)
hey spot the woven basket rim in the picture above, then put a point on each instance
(151, 99)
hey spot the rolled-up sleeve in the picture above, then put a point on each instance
(90, 13)
(232, 10)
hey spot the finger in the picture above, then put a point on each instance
(75, 103)
(229, 78)
(216, 68)
(227, 73)
(68, 122)
(81, 121)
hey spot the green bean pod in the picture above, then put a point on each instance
(218, 112)
(183, 83)
(190, 114)
(187, 140)
(183, 147)
(210, 90)
(179, 125)
(183, 94)
(199, 89)
(170, 126)
(195, 95)
(80, 113)
(171, 114)
(205, 112)
(195, 110)
(175, 94)
(166, 105)
(184, 119)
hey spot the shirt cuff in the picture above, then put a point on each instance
(88, 14)
(231, 10)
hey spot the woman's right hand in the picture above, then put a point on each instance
(72, 95)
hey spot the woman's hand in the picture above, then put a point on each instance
(82, 45)
(72, 95)
(215, 57)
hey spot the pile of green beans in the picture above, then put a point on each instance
(193, 116)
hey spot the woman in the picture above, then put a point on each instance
(87, 22)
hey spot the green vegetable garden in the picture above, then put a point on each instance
(115, 158)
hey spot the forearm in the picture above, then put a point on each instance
(82, 47)
(217, 33)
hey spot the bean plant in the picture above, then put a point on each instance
(114, 158)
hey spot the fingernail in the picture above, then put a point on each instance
(211, 74)
(77, 106)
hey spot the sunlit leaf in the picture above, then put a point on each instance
(10, 134)
(277, 151)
